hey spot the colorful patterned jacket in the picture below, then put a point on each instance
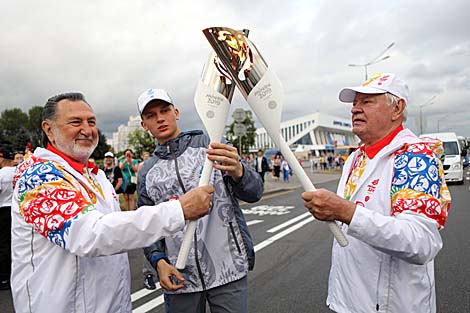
(402, 201)
(68, 237)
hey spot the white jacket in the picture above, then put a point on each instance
(388, 265)
(81, 268)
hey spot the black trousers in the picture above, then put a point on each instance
(5, 243)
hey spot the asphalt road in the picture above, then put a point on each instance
(292, 261)
(293, 255)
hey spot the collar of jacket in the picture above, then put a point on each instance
(74, 164)
(178, 145)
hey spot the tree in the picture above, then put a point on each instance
(244, 143)
(141, 141)
(13, 129)
(101, 148)
(34, 125)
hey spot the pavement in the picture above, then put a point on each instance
(272, 186)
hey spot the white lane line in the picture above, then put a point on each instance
(159, 300)
(253, 222)
(292, 221)
(284, 233)
(149, 305)
(143, 292)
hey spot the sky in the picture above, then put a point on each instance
(113, 50)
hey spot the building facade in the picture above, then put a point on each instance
(119, 140)
(317, 133)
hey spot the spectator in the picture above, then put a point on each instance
(261, 164)
(129, 167)
(7, 171)
(113, 173)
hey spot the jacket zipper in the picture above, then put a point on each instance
(377, 306)
(196, 257)
(234, 237)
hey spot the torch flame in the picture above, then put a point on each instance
(242, 58)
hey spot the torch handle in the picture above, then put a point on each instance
(308, 186)
(191, 229)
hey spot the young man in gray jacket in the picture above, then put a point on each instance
(222, 251)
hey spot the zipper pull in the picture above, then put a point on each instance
(377, 307)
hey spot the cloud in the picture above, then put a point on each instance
(112, 51)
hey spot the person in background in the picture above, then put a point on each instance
(277, 166)
(261, 164)
(392, 200)
(129, 168)
(222, 252)
(7, 171)
(285, 169)
(18, 158)
(69, 237)
(145, 157)
(113, 173)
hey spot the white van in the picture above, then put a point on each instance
(453, 161)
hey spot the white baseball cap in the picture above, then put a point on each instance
(150, 95)
(109, 154)
(380, 83)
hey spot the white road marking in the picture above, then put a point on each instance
(149, 305)
(291, 221)
(253, 222)
(284, 233)
(143, 292)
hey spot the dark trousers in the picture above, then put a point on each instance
(228, 298)
(262, 175)
(5, 243)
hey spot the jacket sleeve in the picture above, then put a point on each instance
(409, 236)
(420, 201)
(51, 201)
(249, 188)
(156, 250)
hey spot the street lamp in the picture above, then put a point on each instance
(442, 118)
(377, 59)
(425, 104)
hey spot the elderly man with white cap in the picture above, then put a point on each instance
(392, 200)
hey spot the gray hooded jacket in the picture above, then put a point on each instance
(222, 249)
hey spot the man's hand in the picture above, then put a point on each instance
(328, 206)
(225, 158)
(196, 203)
(170, 278)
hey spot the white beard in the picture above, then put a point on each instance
(74, 151)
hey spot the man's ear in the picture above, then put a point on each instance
(47, 128)
(177, 113)
(142, 123)
(398, 110)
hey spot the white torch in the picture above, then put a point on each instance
(263, 92)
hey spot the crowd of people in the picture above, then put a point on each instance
(70, 232)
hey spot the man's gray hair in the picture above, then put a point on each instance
(393, 100)
(50, 109)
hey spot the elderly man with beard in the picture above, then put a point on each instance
(68, 235)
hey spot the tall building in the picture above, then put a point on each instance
(315, 132)
(119, 142)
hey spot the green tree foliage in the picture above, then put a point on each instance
(141, 141)
(244, 143)
(101, 148)
(34, 125)
(14, 134)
